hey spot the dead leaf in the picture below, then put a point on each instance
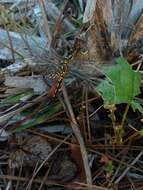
(137, 32)
(33, 82)
(89, 10)
(104, 159)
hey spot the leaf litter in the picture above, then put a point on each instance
(71, 94)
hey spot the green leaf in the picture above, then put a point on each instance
(106, 89)
(41, 118)
(141, 132)
(17, 97)
(121, 83)
(109, 167)
(136, 106)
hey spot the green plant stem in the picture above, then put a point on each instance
(125, 114)
(113, 119)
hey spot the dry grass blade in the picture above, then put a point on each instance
(7, 116)
(128, 168)
(58, 25)
(79, 137)
(45, 24)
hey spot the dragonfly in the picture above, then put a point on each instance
(57, 82)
